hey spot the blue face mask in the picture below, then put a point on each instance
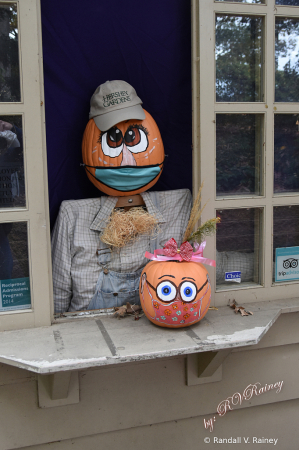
(126, 179)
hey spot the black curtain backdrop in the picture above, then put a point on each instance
(147, 44)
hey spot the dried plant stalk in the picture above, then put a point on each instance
(194, 215)
(206, 229)
(125, 227)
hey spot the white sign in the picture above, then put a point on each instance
(287, 264)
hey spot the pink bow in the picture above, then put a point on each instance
(170, 252)
(171, 249)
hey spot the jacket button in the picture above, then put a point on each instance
(106, 271)
(115, 294)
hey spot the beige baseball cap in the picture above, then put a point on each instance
(113, 102)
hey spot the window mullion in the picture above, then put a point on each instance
(206, 149)
(269, 81)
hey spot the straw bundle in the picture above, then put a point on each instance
(125, 227)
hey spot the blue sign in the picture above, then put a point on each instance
(15, 294)
(233, 276)
(287, 264)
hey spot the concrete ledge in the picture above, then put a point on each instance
(81, 344)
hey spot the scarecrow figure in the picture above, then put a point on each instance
(98, 251)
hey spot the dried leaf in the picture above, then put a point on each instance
(128, 309)
(133, 309)
(120, 311)
(233, 304)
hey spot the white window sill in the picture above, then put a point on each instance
(103, 340)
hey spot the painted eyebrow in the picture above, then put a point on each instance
(166, 276)
(188, 277)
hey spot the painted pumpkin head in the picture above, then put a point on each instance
(175, 294)
(125, 160)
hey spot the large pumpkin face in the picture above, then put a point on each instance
(125, 160)
(175, 294)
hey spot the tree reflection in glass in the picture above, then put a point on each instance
(12, 182)
(286, 153)
(287, 2)
(9, 54)
(286, 60)
(239, 143)
(238, 58)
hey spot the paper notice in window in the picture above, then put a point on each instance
(233, 276)
(15, 294)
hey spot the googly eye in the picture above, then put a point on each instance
(166, 291)
(188, 291)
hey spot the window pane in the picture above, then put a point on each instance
(14, 267)
(287, 2)
(238, 58)
(9, 54)
(12, 183)
(242, 1)
(286, 153)
(286, 60)
(285, 229)
(239, 144)
(238, 247)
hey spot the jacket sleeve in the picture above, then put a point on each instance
(61, 261)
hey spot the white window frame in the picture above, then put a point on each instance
(205, 109)
(36, 212)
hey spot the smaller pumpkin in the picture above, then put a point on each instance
(175, 294)
(125, 160)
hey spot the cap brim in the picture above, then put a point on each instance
(105, 121)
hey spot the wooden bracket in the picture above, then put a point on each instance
(205, 367)
(57, 389)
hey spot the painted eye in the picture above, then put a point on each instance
(112, 142)
(188, 291)
(114, 137)
(132, 136)
(136, 140)
(166, 291)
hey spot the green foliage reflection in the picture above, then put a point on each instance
(238, 58)
(9, 55)
(286, 60)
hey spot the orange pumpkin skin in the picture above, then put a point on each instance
(151, 153)
(191, 286)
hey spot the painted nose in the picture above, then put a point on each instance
(178, 297)
(128, 158)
